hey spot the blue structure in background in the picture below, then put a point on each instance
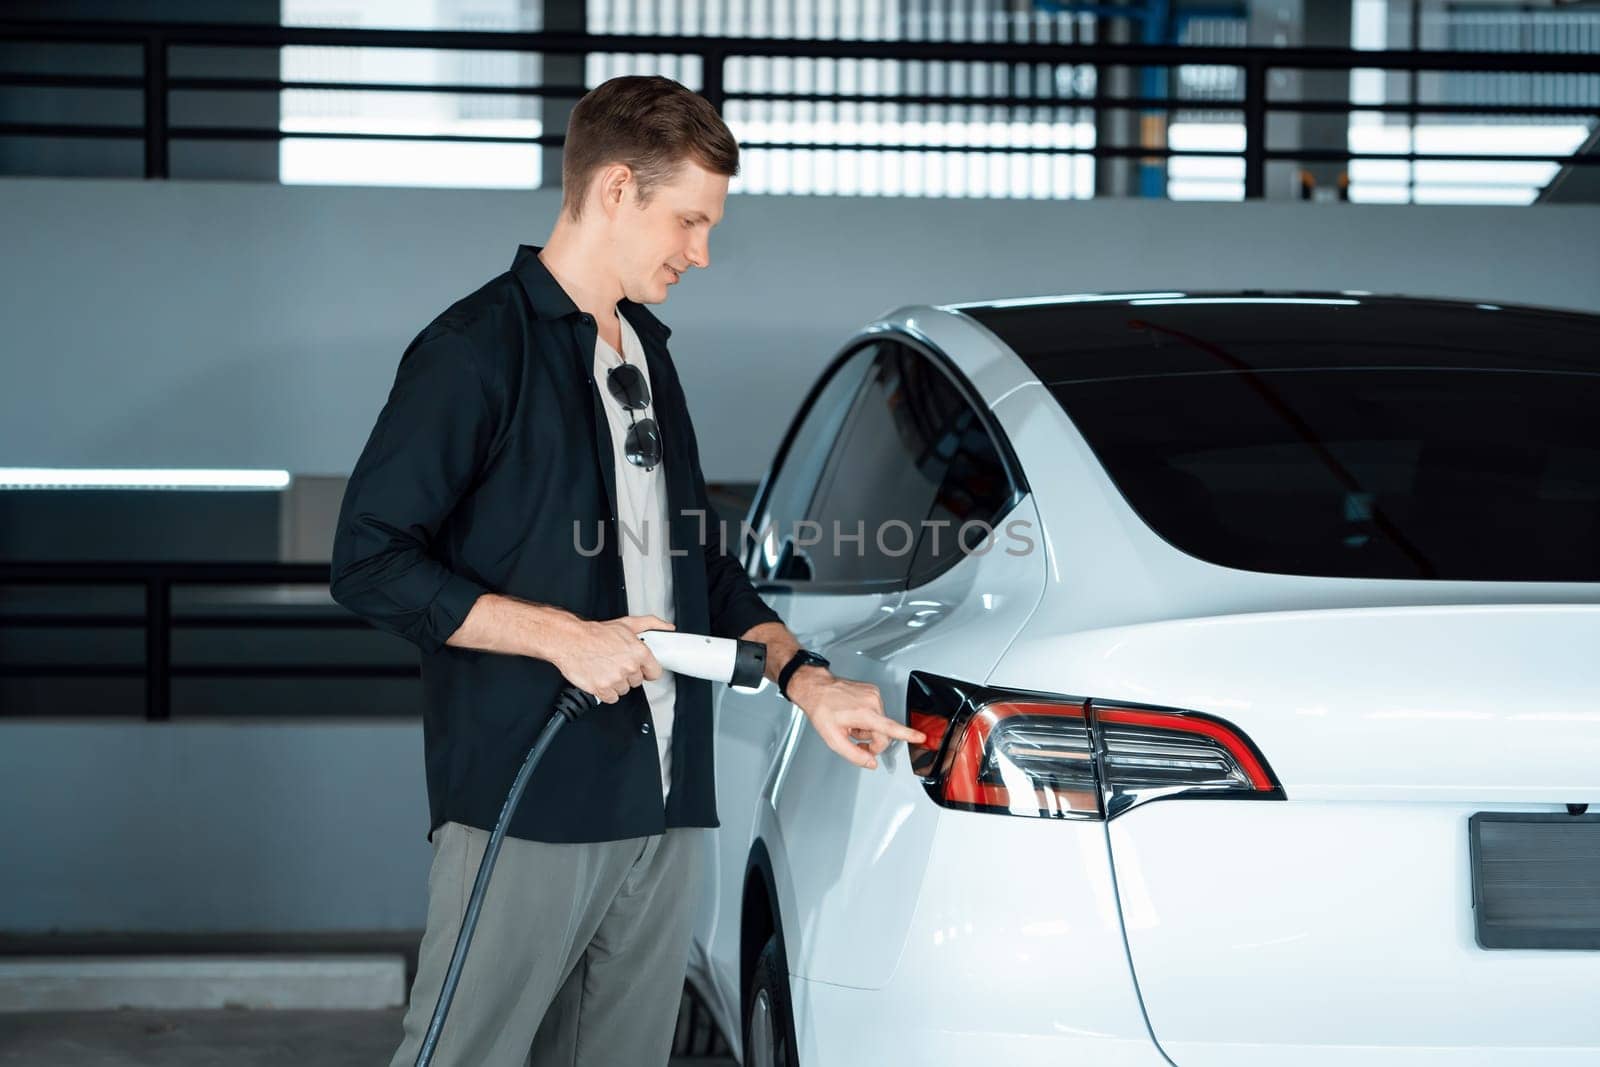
(1160, 23)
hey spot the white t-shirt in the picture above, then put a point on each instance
(641, 531)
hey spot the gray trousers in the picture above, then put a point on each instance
(579, 955)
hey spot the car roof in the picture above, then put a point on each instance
(1240, 297)
(1096, 336)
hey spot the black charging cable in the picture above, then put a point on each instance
(570, 704)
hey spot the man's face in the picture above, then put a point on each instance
(660, 241)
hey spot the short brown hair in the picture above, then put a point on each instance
(650, 123)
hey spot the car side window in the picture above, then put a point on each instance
(913, 451)
(799, 466)
(973, 496)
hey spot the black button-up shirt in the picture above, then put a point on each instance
(490, 469)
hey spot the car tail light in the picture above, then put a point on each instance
(1045, 756)
(1024, 757)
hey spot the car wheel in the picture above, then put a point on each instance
(768, 1021)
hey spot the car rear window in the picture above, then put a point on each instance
(1362, 472)
(1362, 437)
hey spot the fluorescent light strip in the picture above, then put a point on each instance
(1247, 300)
(135, 478)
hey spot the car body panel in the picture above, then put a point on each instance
(1343, 917)
(1331, 932)
(1015, 956)
(1348, 704)
(845, 1027)
(866, 833)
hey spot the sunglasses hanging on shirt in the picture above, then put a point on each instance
(642, 445)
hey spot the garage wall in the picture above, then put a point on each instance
(259, 827)
(258, 325)
(253, 325)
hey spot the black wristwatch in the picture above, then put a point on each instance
(804, 658)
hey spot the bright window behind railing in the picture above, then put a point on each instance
(1508, 28)
(961, 153)
(960, 160)
(333, 161)
(1402, 182)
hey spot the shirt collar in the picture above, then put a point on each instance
(550, 301)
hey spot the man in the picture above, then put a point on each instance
(530, 499)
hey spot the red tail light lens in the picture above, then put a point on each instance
(1154, 749)
(1059, 757)
(1027, 758)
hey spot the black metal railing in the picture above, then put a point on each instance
(1255, 103)
(158, 621)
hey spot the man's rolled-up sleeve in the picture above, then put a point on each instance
(735, 604)
(429, 443)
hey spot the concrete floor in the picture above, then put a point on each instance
(208, 1038)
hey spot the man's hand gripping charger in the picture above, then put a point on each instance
(716, 659)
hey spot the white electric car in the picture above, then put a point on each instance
(1257, 642)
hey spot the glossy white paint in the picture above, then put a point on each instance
(1331, 932)
(990, 367)
(1342, 918)
(1329, 928)
(847, 1027)
(1015, 956)
(857, 841)
(848, 846)
(1482, 703)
